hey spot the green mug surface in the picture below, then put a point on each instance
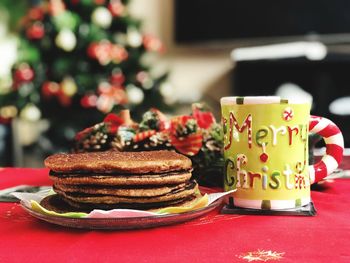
(266, 152)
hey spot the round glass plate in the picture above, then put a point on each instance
(124, 223)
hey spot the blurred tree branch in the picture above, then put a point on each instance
(14, 10)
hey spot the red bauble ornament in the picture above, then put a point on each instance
(100, 51)
(36, 13)
(116, 7)
(92, 50)
(110, 95)
(64, 100)
(152, 43)
(88, 101)
(100, 2)
(35, 31)
(105, 52)
(50, 88)
(264, 157)
(118, 53)
(117, 78)
(24, 73)
(56, 7)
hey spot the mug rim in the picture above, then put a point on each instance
(237, 100)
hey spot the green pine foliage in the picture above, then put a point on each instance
(17, 9)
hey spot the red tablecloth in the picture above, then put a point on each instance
(212, 238)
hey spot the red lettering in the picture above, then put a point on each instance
(290, 132)
(251, 178)
(246, 124)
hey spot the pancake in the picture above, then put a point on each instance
(116, 179)
(120, 162)
(189, 190)
(133, 180)
(143, 206)
(141, 191)
(57, 204)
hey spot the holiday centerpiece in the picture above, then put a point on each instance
(196, 135)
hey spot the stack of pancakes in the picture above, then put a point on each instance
(134, 180)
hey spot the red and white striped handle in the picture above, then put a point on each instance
(334, 147)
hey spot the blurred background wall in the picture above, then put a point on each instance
(197, 72)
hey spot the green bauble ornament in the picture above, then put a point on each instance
(66, 20)
(27, 52)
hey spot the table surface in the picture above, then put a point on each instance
(212, 238)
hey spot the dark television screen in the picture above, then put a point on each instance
(219, 20)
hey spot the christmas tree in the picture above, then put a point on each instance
(77, 61)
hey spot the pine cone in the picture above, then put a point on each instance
(119, 145)
(160, 140)
(122, 141)
(93, 139)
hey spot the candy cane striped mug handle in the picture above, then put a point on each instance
(334, 141)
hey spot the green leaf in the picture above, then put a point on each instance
(217, 133)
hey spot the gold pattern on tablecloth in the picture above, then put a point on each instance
(210, 219)
(262, 255)
(16, 214)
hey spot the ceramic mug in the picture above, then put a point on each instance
(266, 151)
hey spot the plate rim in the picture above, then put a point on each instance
(120, 222)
